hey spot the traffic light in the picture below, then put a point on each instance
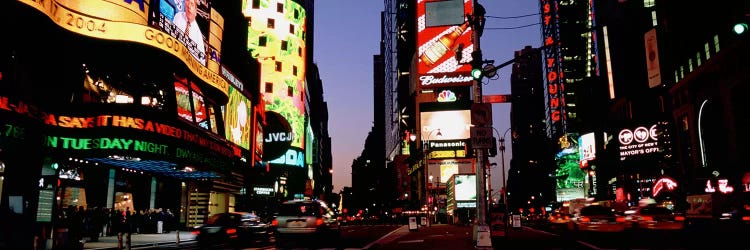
(741, 24)
(739, 29)
(476, 65)
(493, 149)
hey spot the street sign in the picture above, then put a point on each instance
(481, 137)
(481, 114)
(496, 98)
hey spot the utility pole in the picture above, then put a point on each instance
(482, 229)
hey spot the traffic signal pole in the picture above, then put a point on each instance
(482, 229)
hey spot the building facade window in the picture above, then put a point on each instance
(290, 91)
(269, 87)
(707, 51)
(271, 23)
(682, 71)
(697, 59)
(716, 44)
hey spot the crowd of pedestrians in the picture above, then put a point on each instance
(77, 225)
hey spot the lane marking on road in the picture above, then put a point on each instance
(411, 241)
(382, 240)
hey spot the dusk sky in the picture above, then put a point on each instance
(347, 35)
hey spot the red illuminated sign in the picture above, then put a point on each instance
(443, 31)
(555, 87)
(662, 184)
(496, 98)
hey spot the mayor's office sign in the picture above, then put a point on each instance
(641, 141)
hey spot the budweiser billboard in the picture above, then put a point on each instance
(444, 41)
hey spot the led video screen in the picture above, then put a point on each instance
(466, 187)
(187, 20)
(237, 120)
(276, 38)
(445, 125)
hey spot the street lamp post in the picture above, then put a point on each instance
(426, 153)
(434, 204)
(502, 166)
(505, 191)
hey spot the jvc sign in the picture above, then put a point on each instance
(481, 137)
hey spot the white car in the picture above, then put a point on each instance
(308, 220)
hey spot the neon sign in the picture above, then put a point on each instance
(555, 87)
(664, 183)
(447, 96)
(105, 143)
(722, 185)
(117, 121)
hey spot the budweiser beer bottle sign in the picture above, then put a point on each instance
(440, 47)
(443, 30)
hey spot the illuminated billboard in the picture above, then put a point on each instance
(186, 20)
(465, 187)
(569, 177)
(587, 146)
(237, 122)
(129, 21)
(553, 71)
(278, 137)
(444, 41)
(276, 38)
(443, 170)
(640, 141)
(191, 105)
(445, 125)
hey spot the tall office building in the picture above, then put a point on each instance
(676, 77)
(532, 149)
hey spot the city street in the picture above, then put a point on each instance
(459, 237)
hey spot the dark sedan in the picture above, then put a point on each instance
(232, 229)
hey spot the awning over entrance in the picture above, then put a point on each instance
(157, 167)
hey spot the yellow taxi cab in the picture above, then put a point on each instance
(598, 218)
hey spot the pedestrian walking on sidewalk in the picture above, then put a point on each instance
(124, 228)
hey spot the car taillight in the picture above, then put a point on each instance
(566, 217)
(647, 218)
(679, 218)
(232, 232)
(195, 232)
(745, 218)
(275, 223)
(319, 222)
(620, 219)
(585, 219)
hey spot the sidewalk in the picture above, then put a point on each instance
(140, 240)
